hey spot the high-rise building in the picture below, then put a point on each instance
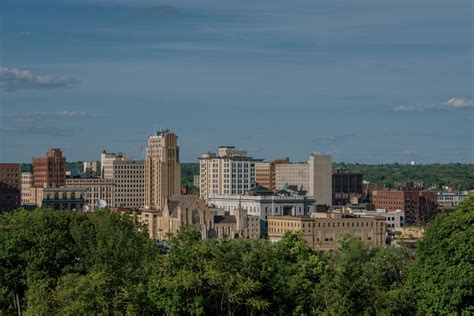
(50, 170)
(128, 176)
(106, 164)
(346, 186)
(292, 174)
(162, 169)
(320, 178)
(10, 186)
(230, 171)
(26, 184)
(265, 173)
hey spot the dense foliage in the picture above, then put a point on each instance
(54, 262)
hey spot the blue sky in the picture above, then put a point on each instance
(368, 81)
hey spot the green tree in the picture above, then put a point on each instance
(443, 275)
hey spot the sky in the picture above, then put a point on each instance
(367, 81)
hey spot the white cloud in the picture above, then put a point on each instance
(452, 104)
(12, 79)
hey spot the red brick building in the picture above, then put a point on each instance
(49, 171)
(10, 186)
(419, 206)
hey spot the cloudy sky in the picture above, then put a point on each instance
(368, 81)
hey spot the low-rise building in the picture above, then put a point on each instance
(99, 192)
(64, 198)
(262, 202)
(323, 231)
(394, 220)
(450, 200)
(184, 210)
(420, 206)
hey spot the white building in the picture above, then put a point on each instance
(262, 202)
(106, 163)
(230, 171)
(26, 184)
(446, 199)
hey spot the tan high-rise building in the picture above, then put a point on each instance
(26, 184)
(320, 178)
(162, 169)
(128, 176)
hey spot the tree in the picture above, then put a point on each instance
(443, 274)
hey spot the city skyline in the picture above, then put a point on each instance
(372, 82)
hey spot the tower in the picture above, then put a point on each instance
(162, 169)
(320, 178)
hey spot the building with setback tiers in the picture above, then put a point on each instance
(162, 169)
(50, 170)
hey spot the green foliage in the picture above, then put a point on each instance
(70, 263)
(443, 275)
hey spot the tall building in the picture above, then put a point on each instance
(230, 171)
(128, 177)
(292, 174)
(26, 185)
(50, 170)
(106, 164)
(320, 178)
(10, 186)
(265, 173)
(162, 169)
(346, 186)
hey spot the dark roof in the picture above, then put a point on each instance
(182, 201)
(218, 219)
(259, 190)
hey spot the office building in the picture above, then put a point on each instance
(50, 170)
(320, 178)
(265, 173)
(10, 186)
(98, 192)
(419, 206)
(323, 231)
(162, 169)
(346, 186)
(106, 163)
(128, 177)
(26, 185)
(230, 171)
(292, 174)
(64, 198)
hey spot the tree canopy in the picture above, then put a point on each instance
(58, 262)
